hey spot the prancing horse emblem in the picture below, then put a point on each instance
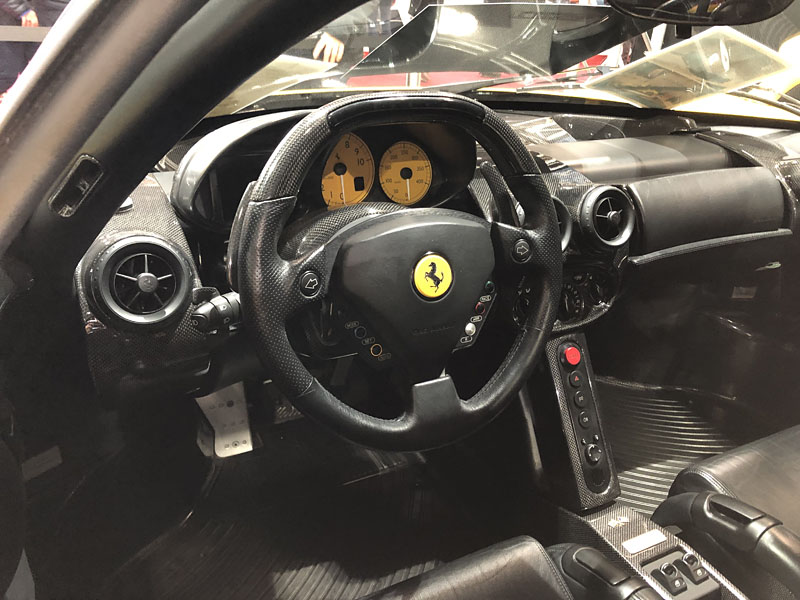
(435, 280)
(433, 276)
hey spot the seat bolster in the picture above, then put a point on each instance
(764, 474)
(516, 569)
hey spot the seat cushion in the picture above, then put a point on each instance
(764, 474)
(515, 569)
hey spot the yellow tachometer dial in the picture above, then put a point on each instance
(348, 173)
(405, 173)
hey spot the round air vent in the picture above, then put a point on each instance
(607, 216)
(139, 281)
(564, 223)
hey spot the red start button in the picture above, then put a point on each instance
(572, 356)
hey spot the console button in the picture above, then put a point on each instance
(585, 419)
(580, 399)
(593, 454)
(480, 308)
(571, 356)
(691, 568)
(669, 569)
(576, 379)
(669, 576)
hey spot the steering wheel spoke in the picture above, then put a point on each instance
(436, 403)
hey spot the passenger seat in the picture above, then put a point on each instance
(517, 569)
(741, 511)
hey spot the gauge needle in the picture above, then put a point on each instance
(344, 197)
(408, 189)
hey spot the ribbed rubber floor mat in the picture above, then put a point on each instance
(325, 520)
(365, 537)
(654, 433)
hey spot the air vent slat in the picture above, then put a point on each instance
(607, 216)
(143, 283)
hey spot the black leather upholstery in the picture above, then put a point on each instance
(515, 569)
(12, 516)
(764, 474)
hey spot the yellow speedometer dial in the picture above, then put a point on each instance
(405, 173)
(348, 173)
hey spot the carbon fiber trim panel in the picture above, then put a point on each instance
(607, 529)
(117, 358)
(303, 236)
(586, 498)
(646, 259)
(568, 186)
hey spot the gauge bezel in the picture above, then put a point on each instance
(428, 185)
(368, 185)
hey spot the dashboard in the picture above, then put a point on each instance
(407, 164)
(632, 195)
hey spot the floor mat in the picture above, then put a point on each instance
(320, 533)
(655, 432)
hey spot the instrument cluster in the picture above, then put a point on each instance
(409, 164)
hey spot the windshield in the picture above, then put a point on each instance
(579, 51)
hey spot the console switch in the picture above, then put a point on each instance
(668, 576)
(692, 569)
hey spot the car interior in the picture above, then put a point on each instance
(429, 343)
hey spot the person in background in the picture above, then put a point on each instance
(334, 40)
(15, 55)
(47, 11)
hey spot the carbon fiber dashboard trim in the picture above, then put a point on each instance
(608, 528)
(118, 358)
(646, 259)
(569, 187)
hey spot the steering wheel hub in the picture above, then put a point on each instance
(389, 270)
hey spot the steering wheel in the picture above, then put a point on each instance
(382, 263)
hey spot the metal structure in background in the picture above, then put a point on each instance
(15, 33)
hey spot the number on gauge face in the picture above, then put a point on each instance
(405, 173)
(348, 174)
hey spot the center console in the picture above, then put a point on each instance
(637, 558)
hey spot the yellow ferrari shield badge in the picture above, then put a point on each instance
(433, 276)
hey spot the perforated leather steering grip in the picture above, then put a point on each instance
(269, 283)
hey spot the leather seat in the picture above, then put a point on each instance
(519, 568)
(764, 474)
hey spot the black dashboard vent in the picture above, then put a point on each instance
(144, 283)
(607, 216)
(139, 281)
